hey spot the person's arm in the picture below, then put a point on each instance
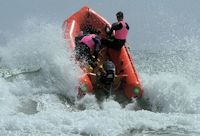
(115, 26)
(97, 46)
(127, 26)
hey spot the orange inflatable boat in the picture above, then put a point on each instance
(125, 76)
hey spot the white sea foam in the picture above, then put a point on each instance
(37, 103)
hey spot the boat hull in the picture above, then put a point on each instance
(127, 78)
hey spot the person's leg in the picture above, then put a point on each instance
(117, 45)
(107, 42)
(85, 54)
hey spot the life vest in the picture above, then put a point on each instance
(122, 33)
(87, 40)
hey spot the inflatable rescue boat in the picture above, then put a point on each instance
(123, 75)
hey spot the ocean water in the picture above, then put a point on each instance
(38, 78)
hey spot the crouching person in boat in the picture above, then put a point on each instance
(121, 29)
(87, 48)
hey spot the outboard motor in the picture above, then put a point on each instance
(108, 74)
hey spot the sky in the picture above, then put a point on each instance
(150, 21)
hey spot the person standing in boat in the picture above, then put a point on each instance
(87, 47)
(121, 29)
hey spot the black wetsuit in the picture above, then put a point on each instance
(112, 42)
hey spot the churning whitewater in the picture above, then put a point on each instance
(38, 78)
